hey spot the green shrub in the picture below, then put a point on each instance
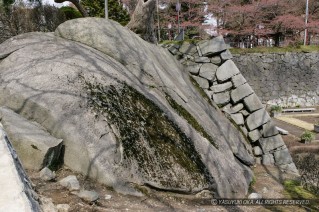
(276, 108)
(307, 136)
(70, 13)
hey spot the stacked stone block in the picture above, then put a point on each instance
(287, 79)
(209, 64)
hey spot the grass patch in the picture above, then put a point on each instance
(275, 49)
(192, 41)
(294, 190)
(251, 184)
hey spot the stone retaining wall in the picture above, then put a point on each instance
(209, 64)
(286, 79)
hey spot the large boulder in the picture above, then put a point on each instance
(34, 145)
(125, 109)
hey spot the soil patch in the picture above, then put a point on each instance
(309, 119)
(268, 177)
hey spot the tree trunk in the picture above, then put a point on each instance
(76, 4)
(142, 20)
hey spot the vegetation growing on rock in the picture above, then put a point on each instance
(150, 140)
(190, 119)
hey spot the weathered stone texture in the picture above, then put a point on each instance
(238, 80)
(286, 79)
(252, 103)
(203, 83)
(241, 92)
(34, 145)
(221, 98)
(257, 119)
(226, 71)
(221, 87)
(269, 129)
(254, 135)
(213, 46)
(282, 157)
(271, 143)
(207, 71)
(237, 118)
(245, 109)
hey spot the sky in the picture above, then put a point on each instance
(51, 2)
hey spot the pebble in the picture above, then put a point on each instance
(46, 174)
(70, 182)
(89, 196)
(107, 197)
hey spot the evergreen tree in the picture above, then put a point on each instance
(95, 8)
(70, 13)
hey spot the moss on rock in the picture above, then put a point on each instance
(164, 155)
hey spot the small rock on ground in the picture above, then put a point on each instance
(107, 197)
(89, 196)
(70, 182)
(46, 174)
(63, 207)
(254, 196)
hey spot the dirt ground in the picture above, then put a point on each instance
(269, 183)
(309, 119)
(297, 131)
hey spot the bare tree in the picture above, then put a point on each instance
(76, 4)
(309, 170)
(142, 20)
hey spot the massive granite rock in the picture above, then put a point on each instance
(127, 112)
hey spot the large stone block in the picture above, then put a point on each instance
(256, 119)
(269, 129)
(216, 60)
(173, 49)
(35, 146)
(241, 92)
(208, 71)
(271, 143)
(237, 118)
(233, 109)
(203, 83)
(188, 48)
(254, 135)
(245, 113)
(213, 46)
(238, 80)
(282, 156)
(226, 71)
(221, 98)
(226, 55)
(244, 130)
(252, 103)
(290, 168)
(202, 60)
(193, 68)
(221, 87)
(257, 151)
(268, 159)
